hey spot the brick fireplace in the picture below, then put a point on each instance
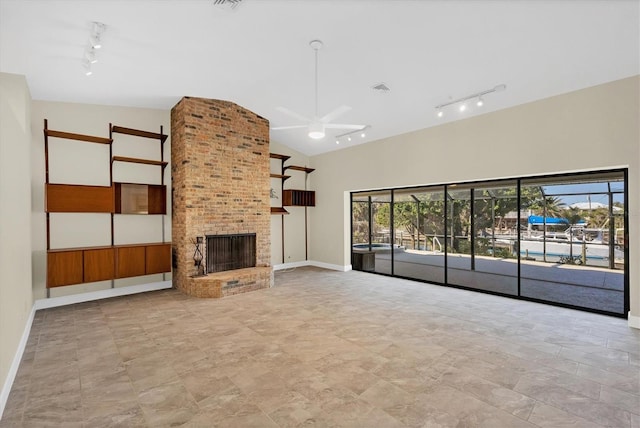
(220, 186)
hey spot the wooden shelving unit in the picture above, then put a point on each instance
(293, 197)
(282, 158)
(68, 266)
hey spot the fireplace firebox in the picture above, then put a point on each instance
(229, 252)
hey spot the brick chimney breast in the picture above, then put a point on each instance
(220, 185)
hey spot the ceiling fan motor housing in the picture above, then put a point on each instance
(316, 130)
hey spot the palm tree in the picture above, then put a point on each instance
(554, 206)
(572, 215)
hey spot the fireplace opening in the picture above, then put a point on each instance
(229, 252)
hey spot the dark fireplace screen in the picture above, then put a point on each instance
(229, 252)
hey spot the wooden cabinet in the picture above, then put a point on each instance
(298, 198)
(130, 261)
(98, 264)
(64, 268)
(157, 258)
(73, 198)
(70, 266)
(133, 198)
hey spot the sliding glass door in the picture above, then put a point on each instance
(558, 238)
(418, 220)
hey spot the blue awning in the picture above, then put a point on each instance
(540, 220)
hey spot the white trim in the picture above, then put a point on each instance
(291, 265)
(54, 302)
(633, 321)
(15, 364)
(323, 265)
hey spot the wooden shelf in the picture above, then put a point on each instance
(139, 133)
(78, 137)
(136, 160)
(277, 156)
(300, 168)
(283, 177)
(279, 211)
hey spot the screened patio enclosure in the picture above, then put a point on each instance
(559, 239)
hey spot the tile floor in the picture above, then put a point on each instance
(327, 349)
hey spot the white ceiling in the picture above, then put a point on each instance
(258, 55)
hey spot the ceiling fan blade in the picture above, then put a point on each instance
(293, 114)
(280, 128)
(343, 126)
(334, 114)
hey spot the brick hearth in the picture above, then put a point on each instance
(220, 185)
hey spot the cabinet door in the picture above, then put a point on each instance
(64, 268)
(72, 198)
(99, 264)
(130, 261)
(158, 258)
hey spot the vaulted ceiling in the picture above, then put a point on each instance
(258, 55)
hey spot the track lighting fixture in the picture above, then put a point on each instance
(94, 43)
(463, 101)
(348, 135)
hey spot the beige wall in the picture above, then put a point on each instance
(594, 128)
(294, 228)
(16, 297)
(76, 162)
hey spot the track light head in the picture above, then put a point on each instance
(87, 67)
(462, 107)
(96, 34)
(90, 55)
(480, 102)
(440, 113)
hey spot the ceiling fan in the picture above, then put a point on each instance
(316, 126)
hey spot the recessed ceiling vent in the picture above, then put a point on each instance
(381, 87)
(231, 4)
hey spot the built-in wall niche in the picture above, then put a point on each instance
(131, 198)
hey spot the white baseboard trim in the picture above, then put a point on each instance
(323, 265)
(291, 265)
(633, 321)
(54, 302)
(15, 364)
(312, 263)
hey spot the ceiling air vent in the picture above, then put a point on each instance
(381, 87)
(231, 4)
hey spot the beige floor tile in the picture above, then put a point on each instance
(326, 349)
